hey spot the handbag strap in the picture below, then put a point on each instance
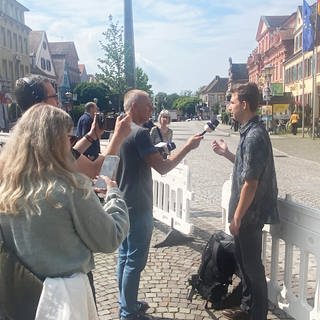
(160, 135)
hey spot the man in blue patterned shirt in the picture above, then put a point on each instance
(253, 200)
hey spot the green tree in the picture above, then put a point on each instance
(199, 90)
(142, 81)
(112, 64)
(170, 100)
(87, 91)
(186, 104)
(186, 93)
(160, 101)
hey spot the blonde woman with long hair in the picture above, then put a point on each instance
(49, 214)
(161, 132)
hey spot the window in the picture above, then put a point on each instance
(11, 75)
(20, 44)
(3, 37)
(9, 39)
(43, 64)
(48, 63)
(15, 42)
(25, 46)
(4, 69)
(44, 45)
(299, 70)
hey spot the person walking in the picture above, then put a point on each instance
(49, 215)
(137, 156)
(83, 127)
(294, 119)
(253, 200)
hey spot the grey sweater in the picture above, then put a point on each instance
(61, 241)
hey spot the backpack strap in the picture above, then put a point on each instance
(215, 249)
(159, 133)
(214, 255)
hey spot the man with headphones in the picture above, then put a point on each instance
(33, 89)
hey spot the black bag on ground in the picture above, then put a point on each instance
(20, 289)
(215, 273)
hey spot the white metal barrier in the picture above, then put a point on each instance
(171, 198)
(291, 255)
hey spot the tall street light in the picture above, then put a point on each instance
(267, 73)
(129, 57)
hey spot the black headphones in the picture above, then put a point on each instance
(34, 84)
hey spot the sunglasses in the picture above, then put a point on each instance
(73, 139)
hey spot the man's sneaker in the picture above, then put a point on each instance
(142, 307)
(235, 314)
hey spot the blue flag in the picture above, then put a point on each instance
(307, 31)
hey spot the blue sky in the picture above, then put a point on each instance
(180, 44)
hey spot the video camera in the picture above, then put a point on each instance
(165, 148)
(107, 121)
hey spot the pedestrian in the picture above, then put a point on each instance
(294, 119)
(161, 132)
(137, 156)
(83, 127)
(253, 200)
(49, 215)
(33, 89)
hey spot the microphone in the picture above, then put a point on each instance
(210, 126)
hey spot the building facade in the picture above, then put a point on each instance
(65, 59)
(299, 78)
(14, 49)
(14, 54)
(40, 56)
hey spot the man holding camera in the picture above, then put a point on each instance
(137, 156)
(84, 126)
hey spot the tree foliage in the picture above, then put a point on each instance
(160, 101)
(87, 91)
(142, 81)
(170, 100)
(186, 104)
(112, 64)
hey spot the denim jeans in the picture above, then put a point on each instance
(133, 255)
(248, 246)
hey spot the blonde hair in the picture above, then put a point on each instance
(35, 158)
(164, 113)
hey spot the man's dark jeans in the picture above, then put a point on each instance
(248, 247)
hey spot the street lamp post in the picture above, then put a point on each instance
(267, 94)
(68, 95)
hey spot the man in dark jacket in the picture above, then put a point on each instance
(84, 126)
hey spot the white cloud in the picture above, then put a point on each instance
(180, 44)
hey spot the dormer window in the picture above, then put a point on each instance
(44, 45)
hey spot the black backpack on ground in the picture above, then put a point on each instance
(215, 273)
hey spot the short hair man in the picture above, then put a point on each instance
(32, 89)
(84, 126)
(253, 199)
(137, 156)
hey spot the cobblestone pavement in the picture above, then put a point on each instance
(164, 281)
